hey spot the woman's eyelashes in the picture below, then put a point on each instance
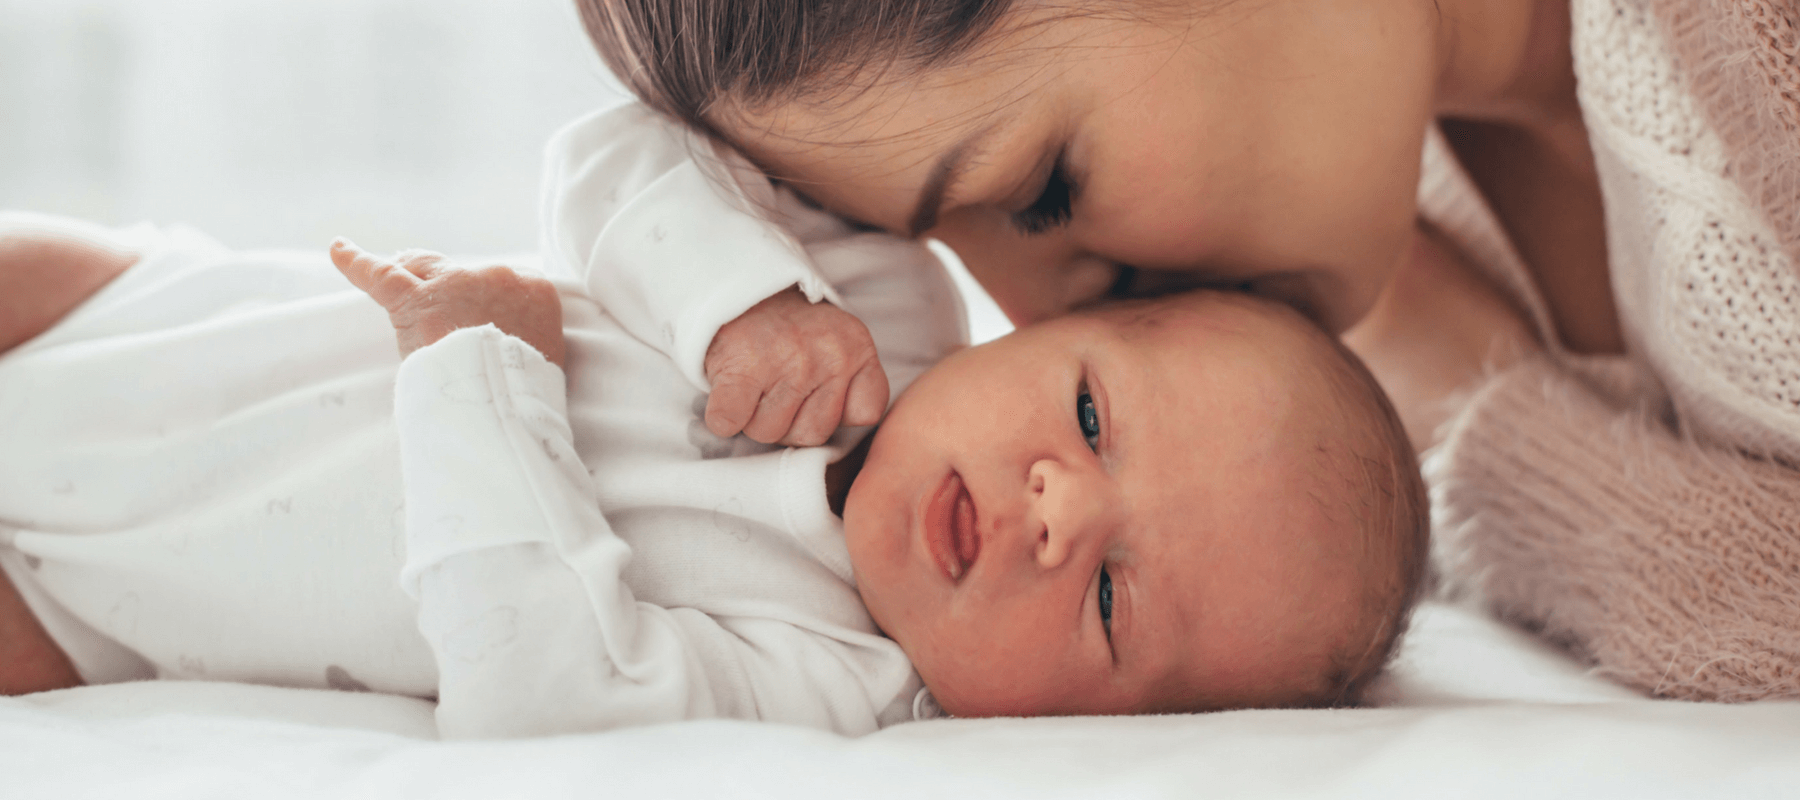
(1089, 419)
(1053, 206)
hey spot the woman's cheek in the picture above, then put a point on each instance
(1031, 277)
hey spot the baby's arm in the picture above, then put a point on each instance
(517, 573)
(515, 570)
(680, 242)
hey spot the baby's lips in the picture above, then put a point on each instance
(964, 534)
(942, 542)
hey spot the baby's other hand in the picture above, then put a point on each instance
(426, 297)
(791, 371)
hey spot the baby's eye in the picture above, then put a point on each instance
(1106, 602)
(1089, 419)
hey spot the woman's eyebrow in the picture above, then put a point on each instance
(943, 175)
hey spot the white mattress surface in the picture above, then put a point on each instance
(1471, 709)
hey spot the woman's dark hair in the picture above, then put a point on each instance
(682, 57)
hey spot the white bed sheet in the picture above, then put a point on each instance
(1472, 709)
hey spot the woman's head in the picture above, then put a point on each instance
(1271, 146)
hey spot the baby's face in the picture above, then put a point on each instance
(1119, 512)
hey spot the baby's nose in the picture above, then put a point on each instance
(1072, 507)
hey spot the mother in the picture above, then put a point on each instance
(1597, 261)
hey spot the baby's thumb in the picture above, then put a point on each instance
(867, 399)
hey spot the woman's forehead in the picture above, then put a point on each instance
(869, 149)
(881, 167)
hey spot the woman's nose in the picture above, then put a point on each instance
(1071, 507)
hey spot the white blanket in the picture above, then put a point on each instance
(1471, 709)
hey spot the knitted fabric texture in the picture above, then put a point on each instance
(1743, 60)
(1712, 298)
(1674, 568)
(1656, 530)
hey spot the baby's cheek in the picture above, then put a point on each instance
(1018, 669)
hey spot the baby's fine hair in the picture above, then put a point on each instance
(1376, 486)
(685, 57)
(1396, 525)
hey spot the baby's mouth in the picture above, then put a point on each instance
(968, 541)
(950, 532)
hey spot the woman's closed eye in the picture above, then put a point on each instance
(1053, 206)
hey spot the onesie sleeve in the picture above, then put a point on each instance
(1668, 562)
(518, 576)
(515, 570)
(672, 235)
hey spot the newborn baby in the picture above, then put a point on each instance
(216, 468)
(1194, 502)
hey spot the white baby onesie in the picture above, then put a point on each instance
(676, 237)
(201, 477)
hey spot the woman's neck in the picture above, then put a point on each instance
(1508, 108)
(1507, 63)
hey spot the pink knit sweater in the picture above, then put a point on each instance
(1645, 510)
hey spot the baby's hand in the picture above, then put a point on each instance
(791, 371)
(427, 298)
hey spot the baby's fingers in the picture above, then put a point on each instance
(867, 399)
(423, 263)
(386, 282)
(774, 413)
(730, 406)
(818, 417)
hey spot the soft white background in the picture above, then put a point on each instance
(286, 122)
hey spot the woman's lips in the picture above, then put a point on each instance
(950, 534)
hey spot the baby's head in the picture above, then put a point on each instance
(1189, 503)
